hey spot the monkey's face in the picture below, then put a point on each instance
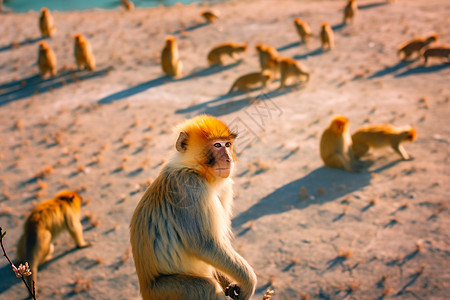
(221, 158)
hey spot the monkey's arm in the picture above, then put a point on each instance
(224, 258)
(75, 229)
(400, 150)
(339, 161)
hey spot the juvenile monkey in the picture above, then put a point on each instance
(383, 135)
(180, 230)
(415, 45)
(440, 51)
(45, 222)
(336, 145)
(46, 23)
(349, 11)
(46, 60)
(231, 49)
(267, 58)
(170, 60)
(327, 37)
(290, 68)
(210, 16)
(303, 29)
(128, 5)
(248, 81)
(83, 53)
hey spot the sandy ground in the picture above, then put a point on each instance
(382, 233)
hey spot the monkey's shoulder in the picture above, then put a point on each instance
(179, 186)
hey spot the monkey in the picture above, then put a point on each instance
(442, 51)
(170, 60)
(327, 37)
(248, 81)
(180, 230)
(83, 53)
(415, 45)
(46, 221)
(46, 23)
(129, 5)
(303, 29)
(230, 49)
(210, 16)
(290, 68)
(382, 135)
(349, 11)
(336, 145)
(267, 58)
(46, 60)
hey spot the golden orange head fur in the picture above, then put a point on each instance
(67, 196)
(43, 45)
(205, 128)
(44, 10)
(324, 25)
(78, 37)
(170, 40)
(339, 124)
(411, 135)
(432, 38)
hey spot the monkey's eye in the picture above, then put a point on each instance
(227, 144)
(217, 145)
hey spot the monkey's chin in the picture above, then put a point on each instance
(222, 172)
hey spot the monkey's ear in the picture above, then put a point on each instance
(181, 144)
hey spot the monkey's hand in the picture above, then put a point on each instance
(233, 291)
(84, 246)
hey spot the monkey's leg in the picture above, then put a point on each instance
(360, 149)
(339, 161)
(184, 287)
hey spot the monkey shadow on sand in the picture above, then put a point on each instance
(142, 87)
(191, 28)
(27, 87)
(311, 53)
(136, 89)
(288, 46)
(287, 196)
(8, 279)
(423, 69)
(372, 5)
(389, 70)
(219, 107)
(22, 43)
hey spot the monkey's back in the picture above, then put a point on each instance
(169, 209)
(376, 136)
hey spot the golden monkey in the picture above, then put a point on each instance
(289, 68)
(170, 60)
(128, 5)
(46, 60)
(349, 11)
(383, 135)
(415, 45)
(230, 49)
(327, 37)
(336, 145)
(248, 81)
(210, 16)
(83, 53)
(303, 29)
(43, 225)
(441, 51)
(267, 58)
(180, 230)
(46, 23)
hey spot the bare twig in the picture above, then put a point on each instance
(20, 272)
